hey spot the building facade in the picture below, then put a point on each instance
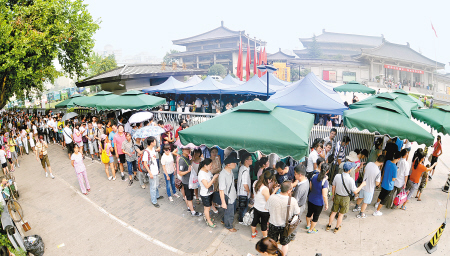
(217, 46)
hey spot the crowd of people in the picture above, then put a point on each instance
(249, 184)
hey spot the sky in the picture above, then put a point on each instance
(150, 26)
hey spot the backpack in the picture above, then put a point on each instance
(104, 157)
(140, 164)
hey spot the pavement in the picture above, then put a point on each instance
(117, 219)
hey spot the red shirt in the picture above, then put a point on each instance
(176, 132)
(118, 140)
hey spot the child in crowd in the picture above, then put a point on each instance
(423, 184)
(8, 157)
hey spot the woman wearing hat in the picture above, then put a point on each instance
(353, 157)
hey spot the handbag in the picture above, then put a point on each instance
(248, 217)
(193, 179)
(351, 195)
(178, 184)
(291, 223)
(400, 198)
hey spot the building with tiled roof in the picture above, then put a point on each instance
(217, 46)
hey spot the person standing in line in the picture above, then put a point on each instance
(437, 152)
(111, 139)
(387, 183)
(372, 177)
(118, 139)
(261, 193)
(92, 142)
(68, 138)
(206, 180)
(168, 166)
(227, 190)
(98, 134)
(184, 170)
(80, 169)
(343, 185)
(3, 160)
(149, 159)
(105, 144)
(244, 183)
(25, 140)
(312, 160)
(318, 198)
(130, 157)
(402, 173)
(42, 156)
(277, 207)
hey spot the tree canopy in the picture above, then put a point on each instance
(34, 34)
(217, 70)
(314, 49)
(169, 60)
(99, 64)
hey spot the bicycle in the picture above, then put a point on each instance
(14, 208)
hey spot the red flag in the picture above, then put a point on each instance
(239, 72)
(260, 60)
(255, 61)
(434, 30)
(248, 62)
(264, 59)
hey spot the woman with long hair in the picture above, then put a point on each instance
(105, 144)
(437, 152)
(317, 198)
(262, 194)
(262, 164)
(207, 179)
(268, 247)
(414, 179)
(195, 162)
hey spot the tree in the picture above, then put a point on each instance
(169, 60)
(304, 72)
(98, 65)
(35, 33)
(294, 74)
(217, 70)
(314, 49)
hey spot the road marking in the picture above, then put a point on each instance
(124, 224)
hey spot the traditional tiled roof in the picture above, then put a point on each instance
(304, 61)
(304, 52)
(280, 56)
(209, 51)
(217, 33)
(341, 38)
(138, 71)
(400, 53)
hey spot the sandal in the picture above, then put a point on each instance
(211, 226)
(328, 227)
(254, 234)
(336, 229)
(403, 208)
(418, 199)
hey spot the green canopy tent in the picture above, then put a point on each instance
(100, 97)
(437, 118)
(354, 86)
(255, 126)
(406, 97)
(70, 102)
(404, 106)
(387, 118)
(132, 100)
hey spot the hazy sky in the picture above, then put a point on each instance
(150, 26)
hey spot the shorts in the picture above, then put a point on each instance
(14, 155)
(44, 161)
(189, 193)
(276, 233)
(383, 195)
(9, 160)
(314, 210)
(122, 158)
(111, 159)
(4, 165)
(70, 147)
(342, 203)
(93, 148)
(207, 200)
(366, 195)
(261, 218)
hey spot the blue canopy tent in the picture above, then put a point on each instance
(194, 80)
(273, 80)
(229, 80)
(207, 86)
(171, 85)
(254, 86)
(309, 95)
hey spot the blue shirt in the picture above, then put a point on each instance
(399, 144)
(111, 138)
(390, 172)
(315, 196)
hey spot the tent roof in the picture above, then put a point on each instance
(132, 100)
(194, 80)
(273, 80)
(171, 85)
(309, 95)
(354, 86)
(395, 99)
(229, 80)
(254, 86)
(207, 86)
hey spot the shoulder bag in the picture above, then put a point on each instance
(242, 200)
(291, 223)
(351, 195)
(216, 195)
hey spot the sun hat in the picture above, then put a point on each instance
(352, 156)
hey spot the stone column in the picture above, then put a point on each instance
(383, 71)
(214, 59)
(432, 80)
(197, 61)
(371, 71)
(412, 78)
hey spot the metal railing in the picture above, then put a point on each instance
(358, 139)
(173, 118)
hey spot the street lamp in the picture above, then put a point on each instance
(270, 69)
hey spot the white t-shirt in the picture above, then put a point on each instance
(35, 129)
(67, 135)
(167, 161)
(208, 177)
(244, 179)
(2, 156)
(402, 172)
(153, 166)
(312, 160)
(260, 200)
(372, 174)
